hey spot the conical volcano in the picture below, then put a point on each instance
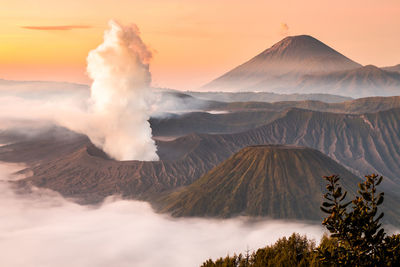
(294, 56)
(277, 181)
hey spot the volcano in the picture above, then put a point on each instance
(277, 181)
(294, 56)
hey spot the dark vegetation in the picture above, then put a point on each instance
(356, 238)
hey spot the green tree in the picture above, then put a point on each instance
(356, 231)
(356, 235)
(296, 250)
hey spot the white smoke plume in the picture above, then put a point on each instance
(120, 95)
(113, 112)
(115, 117)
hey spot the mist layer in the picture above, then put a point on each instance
(51, 231)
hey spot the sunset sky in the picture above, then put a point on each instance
(193, 41)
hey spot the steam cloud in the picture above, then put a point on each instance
(120, 95)
(114, 113)
(43, 229)
(115, 117)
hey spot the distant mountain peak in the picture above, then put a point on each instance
(287, 41)
(302, 54)
(294, 55)
(304, 42)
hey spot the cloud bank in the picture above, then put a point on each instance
(43, 229)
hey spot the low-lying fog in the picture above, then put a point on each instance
(43, 229)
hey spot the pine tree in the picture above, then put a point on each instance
(356, 231)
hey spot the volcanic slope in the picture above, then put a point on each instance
(281, 182)
(241, 116)
(264, 97)
(294, 56)
(395, 68)
(32, 146)
(363, 143)
(361, 82)
(302, 64)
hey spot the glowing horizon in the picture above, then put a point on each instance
(193, 41)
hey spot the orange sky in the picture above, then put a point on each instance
(195, 41)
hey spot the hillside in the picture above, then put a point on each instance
(35, 146)
(242, 116)
(281, 182)
(363, 143)
(204, 122)
(395, 68)
(265, 97)
(88, 176)
(361, 82)
(356, 106)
